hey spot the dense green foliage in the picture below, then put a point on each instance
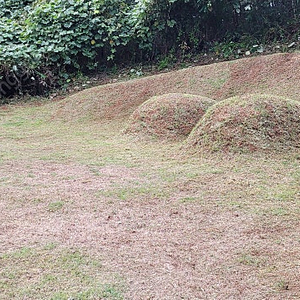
(194, 24)
(45, 42)
(55, 38)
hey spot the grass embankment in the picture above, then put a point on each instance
(167, 117)
(253, 122)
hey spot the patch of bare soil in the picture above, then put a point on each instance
(249, 123)
(169, 116)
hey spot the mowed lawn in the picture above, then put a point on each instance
(88, 212)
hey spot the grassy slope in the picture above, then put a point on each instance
(231, 222)
(275, 74)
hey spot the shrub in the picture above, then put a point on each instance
(44, 43)
(50, 40)
(71, 33)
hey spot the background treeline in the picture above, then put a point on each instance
(45, 43)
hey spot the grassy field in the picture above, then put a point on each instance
(88, 212)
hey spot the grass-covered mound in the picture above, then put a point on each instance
(168, 116)
(248, 123)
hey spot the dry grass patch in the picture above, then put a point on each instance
(169, 116)
(249, 123)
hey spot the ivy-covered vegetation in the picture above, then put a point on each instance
(44, 43)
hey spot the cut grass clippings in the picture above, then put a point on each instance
(169, 116)
(249, 123)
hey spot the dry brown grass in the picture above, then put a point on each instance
(87, 213)
(277, 74)
(249, 123)
(169, 116)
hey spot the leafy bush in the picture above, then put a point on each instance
(14, 8)
(59, 37)
(43, 43)
(70, 33)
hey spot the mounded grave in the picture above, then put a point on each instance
(248, 123)
(170, 116)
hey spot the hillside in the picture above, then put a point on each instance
(277, 74)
